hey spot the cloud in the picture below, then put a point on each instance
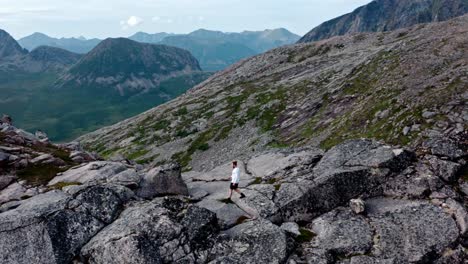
(132, 21)
(156, 18)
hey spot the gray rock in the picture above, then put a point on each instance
(464, 188)
(4, 158)
(428, 114)
(13, 192)
(5, 180)
(453, 256)
(357, 206)
(406, 130)
(150, 232)
(410, 231)
(341, 233)
(445, 147)
(446, 170)
(370, 260)
(52, 227)
(100, 171)
(164, 180)
(257, 241)
(460, 215)
(345, 172)
(291, 228)
(283, 164)
(42, 158)
(228, 214)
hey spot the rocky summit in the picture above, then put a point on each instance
(387, 15)
(362, 201)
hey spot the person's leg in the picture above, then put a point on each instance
(239, 192)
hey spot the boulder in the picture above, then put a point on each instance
(291, 228)
(164, 180)
(150, 232)
(341, 233)
(100, 171)
(283, 164)
(410, 231)
(13, 192)
(5, 180)
(257, 241)
(346, 171)
(444, 147)
(4, 158)
(52, 227)
(357, 206)
(446, 170)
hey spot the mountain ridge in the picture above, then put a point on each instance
(387, 15)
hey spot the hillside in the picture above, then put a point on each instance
(150, 38)
(387, 15)
(77, 45)
(398, 87)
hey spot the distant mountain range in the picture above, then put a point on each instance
(215, 50)
(67, 94)
(387, 15)
(77, 45)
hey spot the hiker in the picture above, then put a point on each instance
(235, 177)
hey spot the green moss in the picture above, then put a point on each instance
(272, 180)
(224, 133)
(305, 236)
(39, 174)
(135, 155)
(182, 111)
(161, 124)
(61, 185)
(277, 187)
(257, 180)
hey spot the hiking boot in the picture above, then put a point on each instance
(242, 196)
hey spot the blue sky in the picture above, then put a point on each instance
(113, 18)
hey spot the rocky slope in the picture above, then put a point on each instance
(9, 47)
(387, 15)
(360, 202)
(399, 87)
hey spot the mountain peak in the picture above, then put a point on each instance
(387, 15)
(8, 46)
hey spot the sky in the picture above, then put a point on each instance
(122, 18)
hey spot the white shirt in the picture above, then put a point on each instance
(235, 177)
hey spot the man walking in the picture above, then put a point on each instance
(235, 178)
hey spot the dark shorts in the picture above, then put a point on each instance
(234, 186)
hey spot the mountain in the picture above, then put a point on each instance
(395, 86)
(213, 55)
(149, 38)
(386, 15)
(77, 45)
(217, 50)
(41, 59)
(9, 47)
(68, 94)
(130, 66)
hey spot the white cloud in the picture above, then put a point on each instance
(132, 21)
(156, 18)
(201, 18)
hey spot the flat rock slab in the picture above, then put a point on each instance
(257, 241)
(279, 163)
(99, 171)
(410, 231)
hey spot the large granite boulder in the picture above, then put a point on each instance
(161, 181)
(445, 147)
(410, 231)
(345, 172)
(283, 163)
(340, 233)
(100, 172)
(52, 227)
(159, 231)
(257, 241)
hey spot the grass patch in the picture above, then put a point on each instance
(272, 180)
(305, 236)
(39, 174)
(182, 111)
(61, 185)
(277, 187)
(139, 153)
(257, 180)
